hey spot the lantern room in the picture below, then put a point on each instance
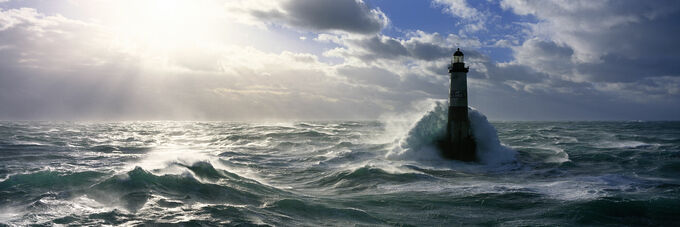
(457, 57)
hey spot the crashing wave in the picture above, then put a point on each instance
(419, 143)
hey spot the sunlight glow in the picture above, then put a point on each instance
(164, 25)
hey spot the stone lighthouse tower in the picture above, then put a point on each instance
(460, 144)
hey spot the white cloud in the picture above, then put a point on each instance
(473, 19)
(459, 8)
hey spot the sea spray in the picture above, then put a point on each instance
(419, 142)
(207, 173)
(489, 147)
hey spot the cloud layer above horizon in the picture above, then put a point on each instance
(335, 59)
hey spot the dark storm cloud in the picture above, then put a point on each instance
(545, 56)
(381, 47)
(326, 15)
(426, 47)
(602, 41)
(387, 47)
(617, 68)
(608, 59)
(428, 51)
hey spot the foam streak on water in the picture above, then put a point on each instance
(338, 173)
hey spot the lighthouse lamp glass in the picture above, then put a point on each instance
(457, 59)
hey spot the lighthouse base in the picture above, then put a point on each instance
(463, 149)
(459, 143)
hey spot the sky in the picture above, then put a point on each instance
(266, 60)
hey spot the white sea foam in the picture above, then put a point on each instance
(418, 143)
(624, 144)
(489, 147)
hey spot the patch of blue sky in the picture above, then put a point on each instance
(406, 16)
(499, 24)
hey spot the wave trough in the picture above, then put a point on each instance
(376, 173)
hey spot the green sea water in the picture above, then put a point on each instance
(373, 173)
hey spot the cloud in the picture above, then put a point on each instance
(417, 45)
(55, 67)
(617, 49)
(406, 68)
(58, 68)
(352, 16)
(474, 19)
(458, 8)
(545, 56)
(597, 28)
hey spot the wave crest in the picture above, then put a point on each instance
(135, 187)
(419, 143)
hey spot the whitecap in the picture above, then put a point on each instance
(418, 143)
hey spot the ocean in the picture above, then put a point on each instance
(338, 173)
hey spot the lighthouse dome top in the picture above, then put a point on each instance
(458, 53)
(457, 57)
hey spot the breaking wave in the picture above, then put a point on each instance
(419, 142)
(372, 173)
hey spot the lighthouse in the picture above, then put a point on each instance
(459, 143)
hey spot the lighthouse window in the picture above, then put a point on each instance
(457, 59)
